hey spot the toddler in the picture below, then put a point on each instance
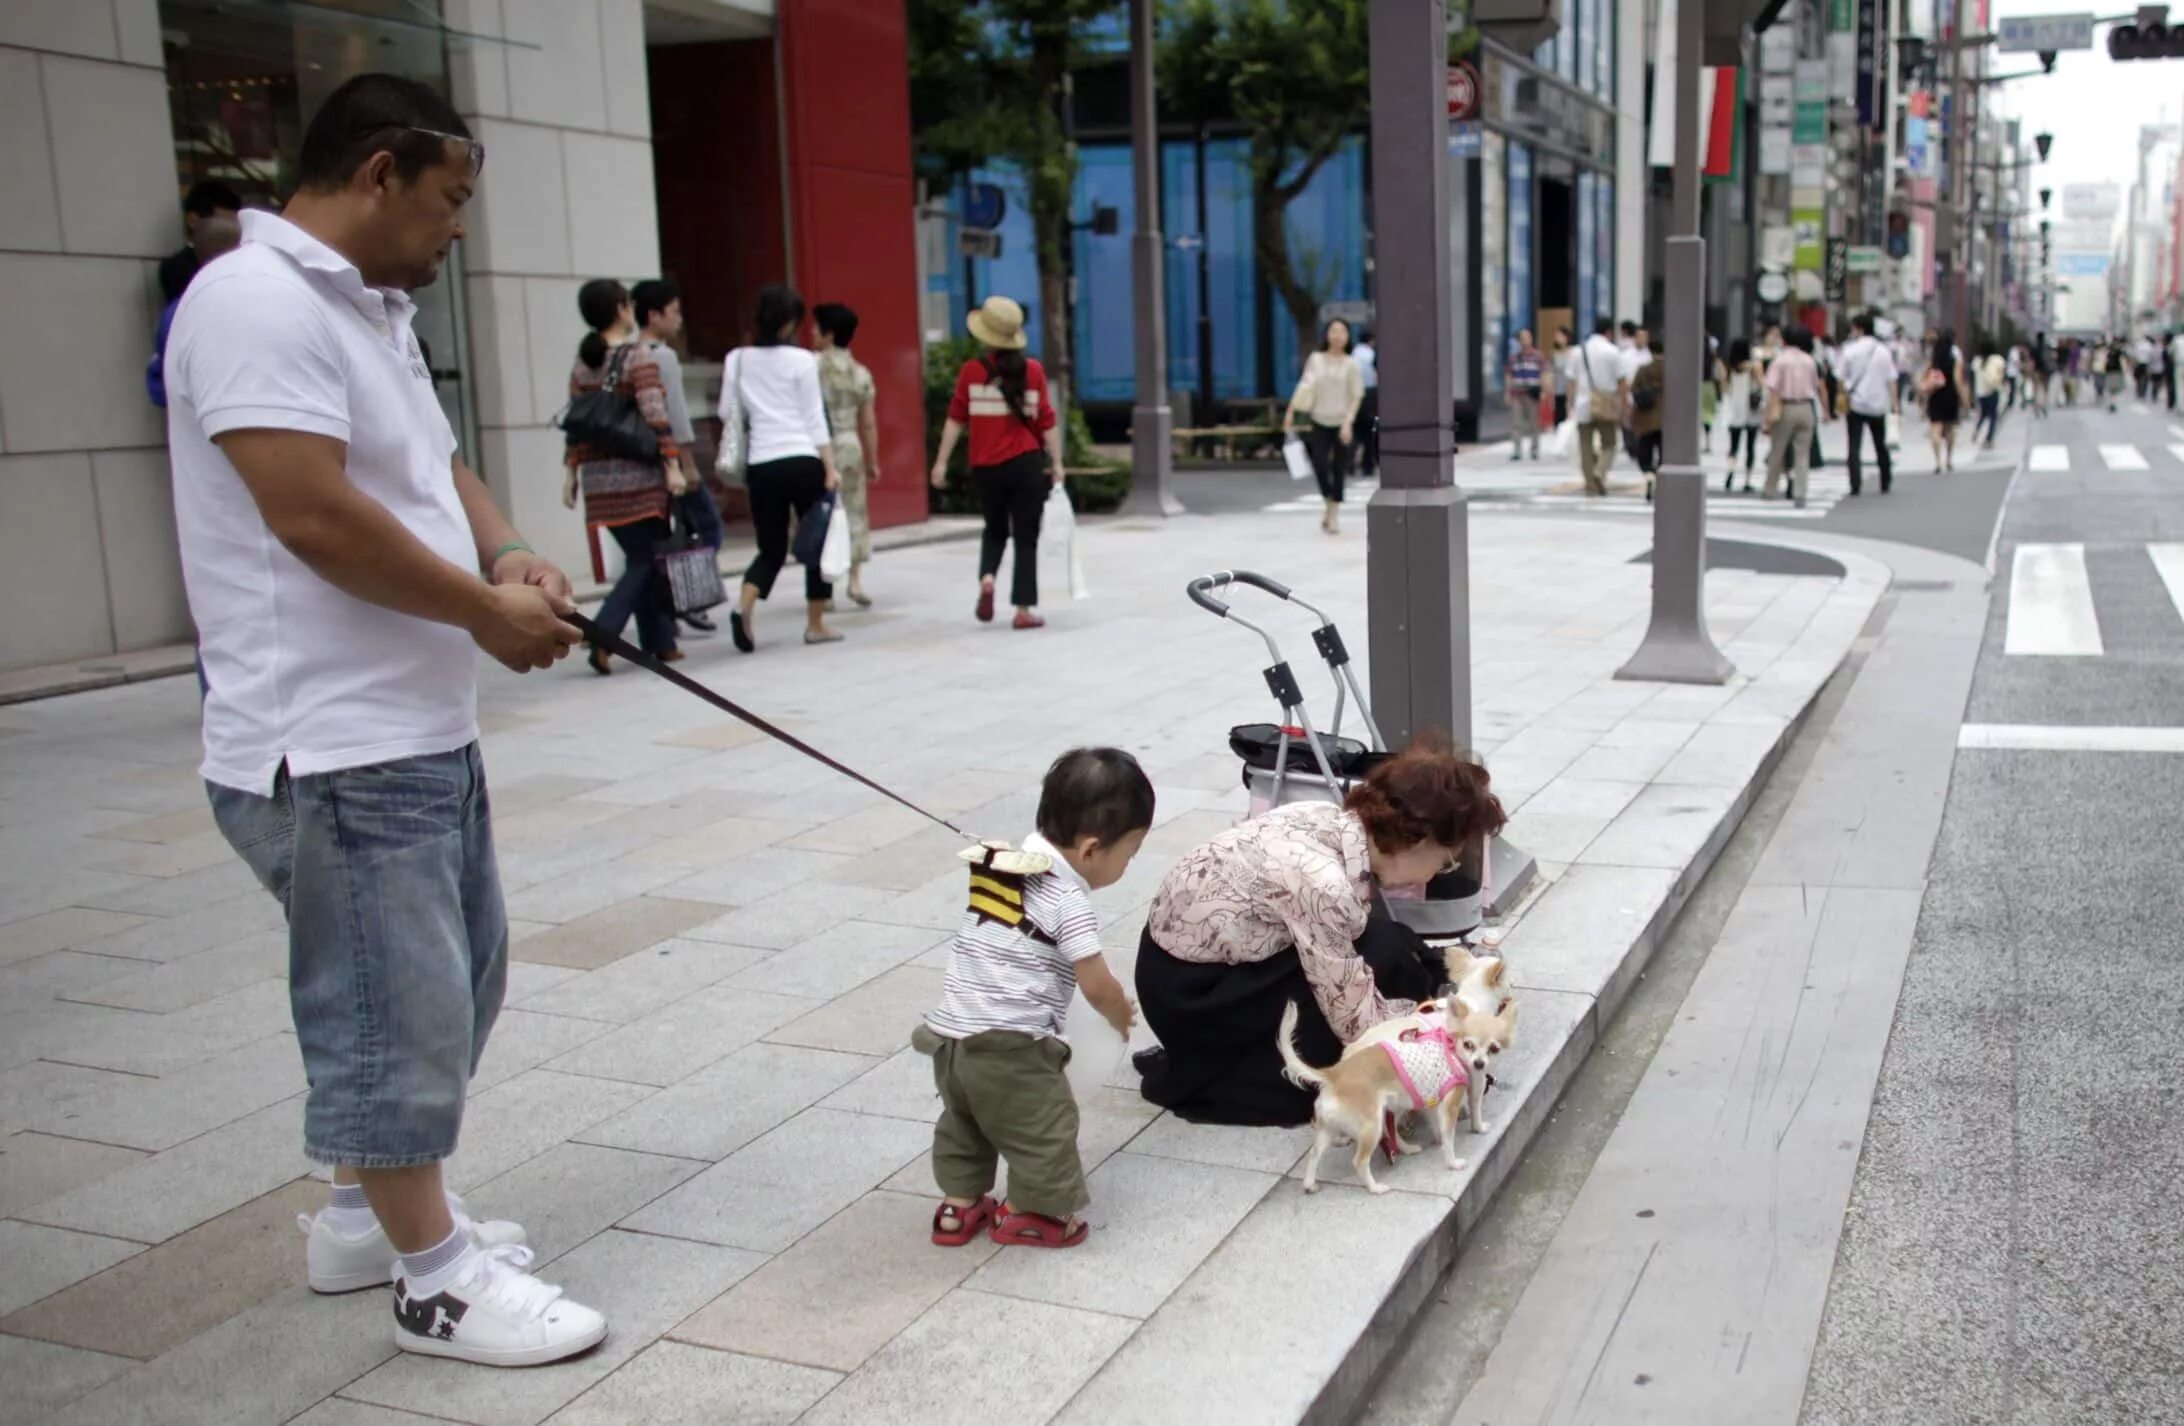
(1029, 939)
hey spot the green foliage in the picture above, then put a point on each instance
(1097, 484)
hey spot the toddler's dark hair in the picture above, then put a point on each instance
(1094, 792)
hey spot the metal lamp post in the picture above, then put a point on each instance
(1150, 419)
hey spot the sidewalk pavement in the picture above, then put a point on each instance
(699, 1098)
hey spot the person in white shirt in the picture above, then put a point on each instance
(1872, 392)
(344, 566)
(1988, 375)
(1598, 403)
(2014, 372)
(1368, 411)
(773, 414)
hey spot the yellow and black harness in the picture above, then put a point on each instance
(998, 874)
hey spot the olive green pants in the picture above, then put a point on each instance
(1003, 1096)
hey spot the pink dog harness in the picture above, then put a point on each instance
(1425, 1061)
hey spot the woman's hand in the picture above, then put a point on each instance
(834, 479)
(1345, 433)
(872, 475)
(940, 474)
(568, 491)
(678, 484)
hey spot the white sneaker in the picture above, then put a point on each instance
(338, 1263)
(496, 1315)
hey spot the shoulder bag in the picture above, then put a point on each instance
(735, 431)
(607, 420)
(1600, 405)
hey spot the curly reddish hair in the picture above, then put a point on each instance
(1426, 793)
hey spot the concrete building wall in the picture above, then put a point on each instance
(87, 549)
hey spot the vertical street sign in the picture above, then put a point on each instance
(1872, 67)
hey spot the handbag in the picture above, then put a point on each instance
(834, 553)
(1296, 458)
(607, 420)
(735, 432)
(810, 544)
(692, 570)
(1600, 405)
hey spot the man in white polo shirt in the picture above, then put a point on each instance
(1867, 370)
(344, 566)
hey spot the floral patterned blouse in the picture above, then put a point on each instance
(1300, 876)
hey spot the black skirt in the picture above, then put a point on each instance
(1217, 1024)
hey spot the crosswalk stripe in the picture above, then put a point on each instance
(2046, 738)
(2177, 431)
(2123, 458)
(2169, 564)
(2177, 451)
(2050, 458)
(2051, 603)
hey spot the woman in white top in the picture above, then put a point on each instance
(771, 389)
(1742, 417)
(1329, 394)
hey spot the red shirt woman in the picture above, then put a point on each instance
(1015, 455)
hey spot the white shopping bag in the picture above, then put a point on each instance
(1563, 443)
(1895, 429)
(1058, 550)
(834, 554)
(1095, 1050)
(1296, 458)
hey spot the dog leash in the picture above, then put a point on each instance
(624, 649)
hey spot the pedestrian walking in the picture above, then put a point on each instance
(657, 307)
(1563, 372)
(1598, 401)
(1329, 394)
(2172, 358)
(1870, 393)
(770, 388)
(1942, 389)
(1746, 400)
(344, 567)
(1793, 414)
(1001, 396)
(2043, 377)
(1367, 357)
(1709, 399)
(1648, 395)
(853, 416)
(1988, 380)
(1634, 359)
(207, 201)
(1526, 380)
(627, 496)
(2013, 375)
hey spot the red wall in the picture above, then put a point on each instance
(844, 67)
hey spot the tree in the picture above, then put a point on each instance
(1295, 73)
(988, 81)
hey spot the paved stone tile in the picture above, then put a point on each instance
(60, 930)
(154, 1114)
(36, 1167)
(1266, 1150)
(572, 1192)
(28, 984)
(334, 1411)
(940, 1370)
(1664, 826)
(1575, 938)
(263, 1365)
(169, 827)
(209, 886)
(723, 840)
(899, 1087)
(718, 1110)
(936, 903)
(524, 1040)
(1649, 731)
(599, 887)
(549, 825)
(1154, 1220)
(170, 938)
(41, 1261)
(836, 960)
(874, 1018)
(543, 789)
(155, 1198)
(791, 915)
(911, 861)
(793, 1307)
(1583, 797)
(607, 935)
(755, 876)
(23, 899)
(644, 981)
(684, 1037)
(168, 1294)
(525, 1116)
(1723, 755)
(644, 1285)
(1265, 1306)
(1556, 836)
(713, 736)
(164, 859)
(43, 1089)
(669, 1384)
(780, 1186)
(41, 1378)
(137, 1043)
(861, 832)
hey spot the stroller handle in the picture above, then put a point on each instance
(1200, 589)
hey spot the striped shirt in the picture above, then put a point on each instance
(1000, 978)
(997, 436)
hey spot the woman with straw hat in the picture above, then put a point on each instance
(1016, 452)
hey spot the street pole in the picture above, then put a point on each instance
(1203, 416)
(1151, 450)
(1677, 646)
(1417, 570)
(1963, 152)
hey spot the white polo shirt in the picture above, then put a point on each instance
(282, 334)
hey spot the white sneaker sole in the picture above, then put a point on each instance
(331, 1285)
(514, 1357)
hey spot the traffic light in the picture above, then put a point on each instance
(2042, 142)
(1899, 234)
(2045, 195)
(2155, 39)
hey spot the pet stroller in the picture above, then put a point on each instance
(1292, 761)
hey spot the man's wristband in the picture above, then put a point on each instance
(511, 547)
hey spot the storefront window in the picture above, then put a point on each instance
(1521, 313)
(1493, 210)
(244, 78)
(1588, 274)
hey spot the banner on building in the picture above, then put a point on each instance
(1723, 113)
(1809, 121)
(1872, 65)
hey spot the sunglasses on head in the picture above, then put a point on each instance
(471, 147)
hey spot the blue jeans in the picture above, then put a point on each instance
(397, 944)
(642, 589)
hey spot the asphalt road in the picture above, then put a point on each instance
(2011, 1252)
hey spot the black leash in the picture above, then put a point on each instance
(624, 649)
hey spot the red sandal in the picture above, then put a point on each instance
(1036, 1230)
(968, 1221)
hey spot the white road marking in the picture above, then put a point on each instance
(2050, 458)
(2177, 431)
(2030, 737)
(2169, 564)
(2178, 450)
(2123, 458)
(2051, 603)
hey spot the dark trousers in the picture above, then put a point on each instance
(1649, 452)
(642, 590)
(700, 516)
(1750, 435)
(781, 492)
(1330, 459)
(2168, 385)
(1990, 414)
(1859, 425)
(1013, 497)
(1217, 1024)
(1368, 432)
